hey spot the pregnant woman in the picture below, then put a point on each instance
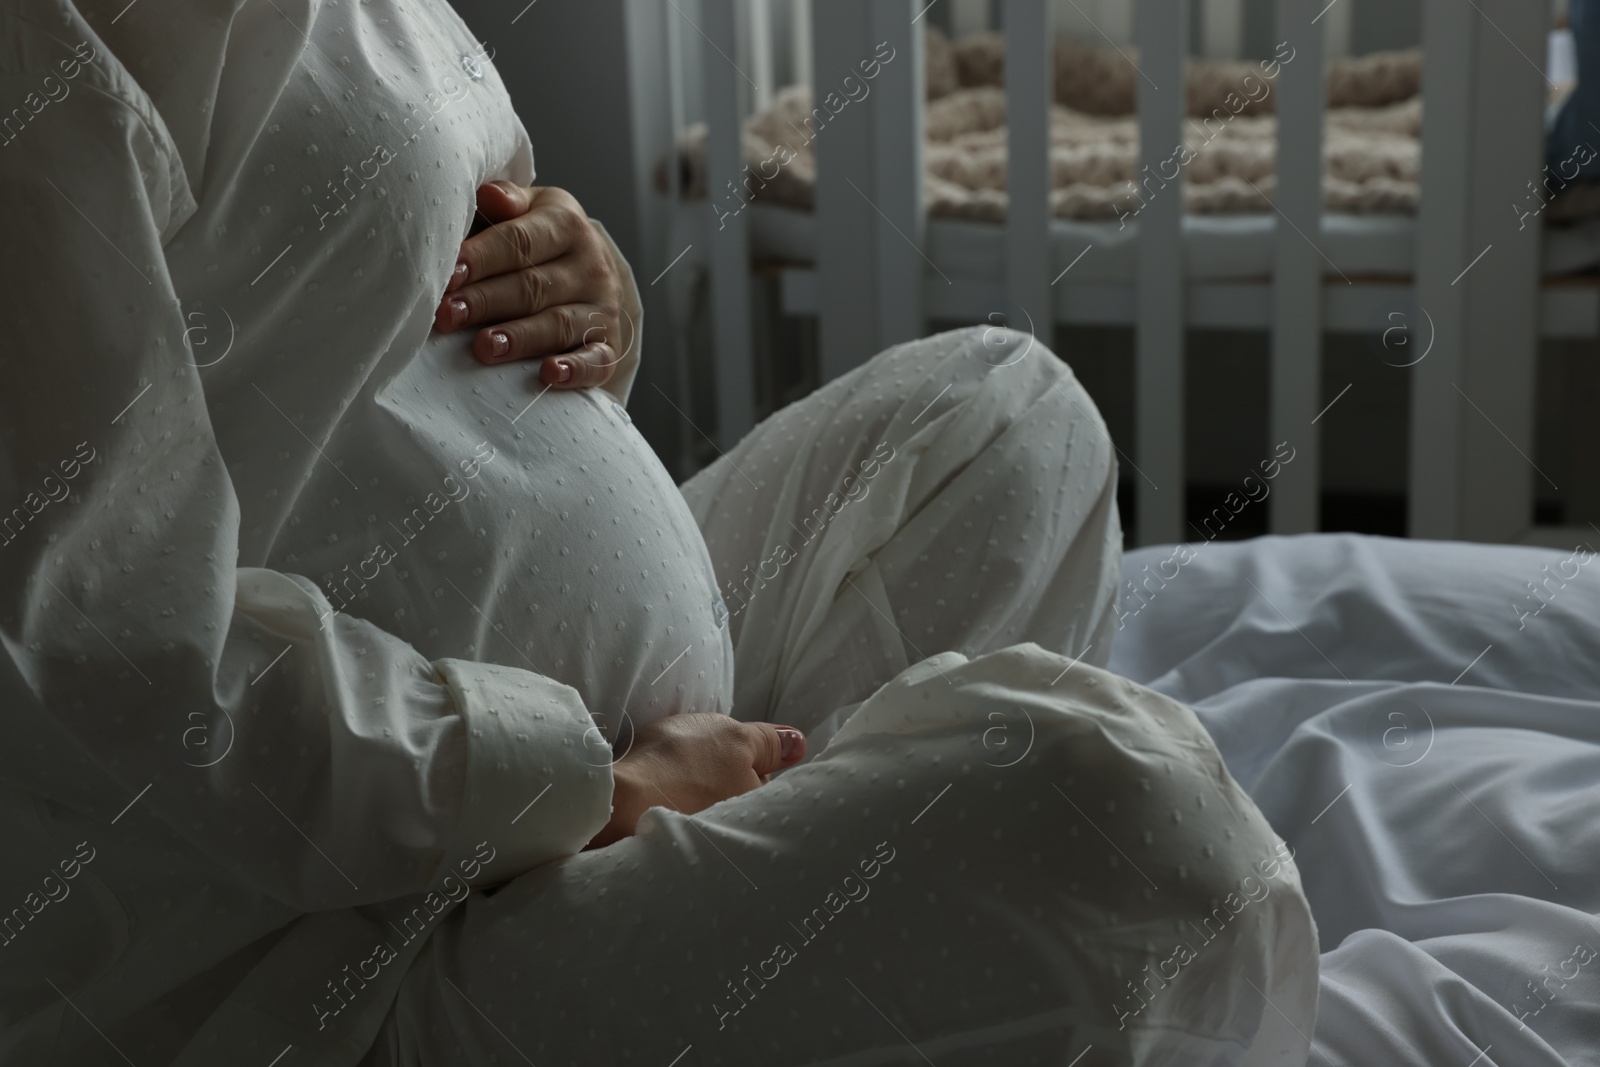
(376, 698)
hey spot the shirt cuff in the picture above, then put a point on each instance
(538, 771)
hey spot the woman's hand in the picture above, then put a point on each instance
(542, 282)
(687, 763)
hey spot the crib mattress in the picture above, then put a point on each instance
(1421, 722)
(1216, 247)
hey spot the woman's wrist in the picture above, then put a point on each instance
(628, 803)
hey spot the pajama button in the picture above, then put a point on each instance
(622, 411)
(719, 611)
(471, 65)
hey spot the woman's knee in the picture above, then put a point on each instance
(993, 378)
(1012, 533)
(944, 369)
(1001, 391)
(1105, 811)
(1190, 863)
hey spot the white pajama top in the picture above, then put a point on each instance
(308, 619)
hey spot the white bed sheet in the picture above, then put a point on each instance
(1216, 247)
(1430, 747)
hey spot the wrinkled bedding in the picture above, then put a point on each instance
(1421, 722)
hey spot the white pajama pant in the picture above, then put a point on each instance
(997, 853)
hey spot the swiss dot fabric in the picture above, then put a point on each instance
(998, 855)
(309, 623)
(303, 610)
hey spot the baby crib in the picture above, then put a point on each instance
(1465, 314)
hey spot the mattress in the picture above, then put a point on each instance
(1216, 247)
(1420, 721)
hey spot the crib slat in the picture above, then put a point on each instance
(676, 317)
(729, 235)
(846, 210)
(760, 52)
(800, 41)
(1497, 487)
(1442, 241)
(894, 100)
(1472, 398)
(1158, 395)
(1097, 21)
(1115, 19)
(1338, 24)
(1029, 78)
(1298, 267)
(1223, 28)
(968, 16)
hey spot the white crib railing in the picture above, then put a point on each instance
(1158, 374)
(730, 239)
(1298, 266)
(1029, 66)
(874, 285)
(1477, 274)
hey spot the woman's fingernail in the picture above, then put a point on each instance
(794, 743)
(457, 311)
(458, 277)
(499, 344)
(563, 370)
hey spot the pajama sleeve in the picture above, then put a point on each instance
(318, 758)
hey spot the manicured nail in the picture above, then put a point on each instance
(457, 311)
(794, 743)
(499, 344)
(563, 370)
(458, 277)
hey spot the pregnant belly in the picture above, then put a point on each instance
(551, 540)
(601, 576)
